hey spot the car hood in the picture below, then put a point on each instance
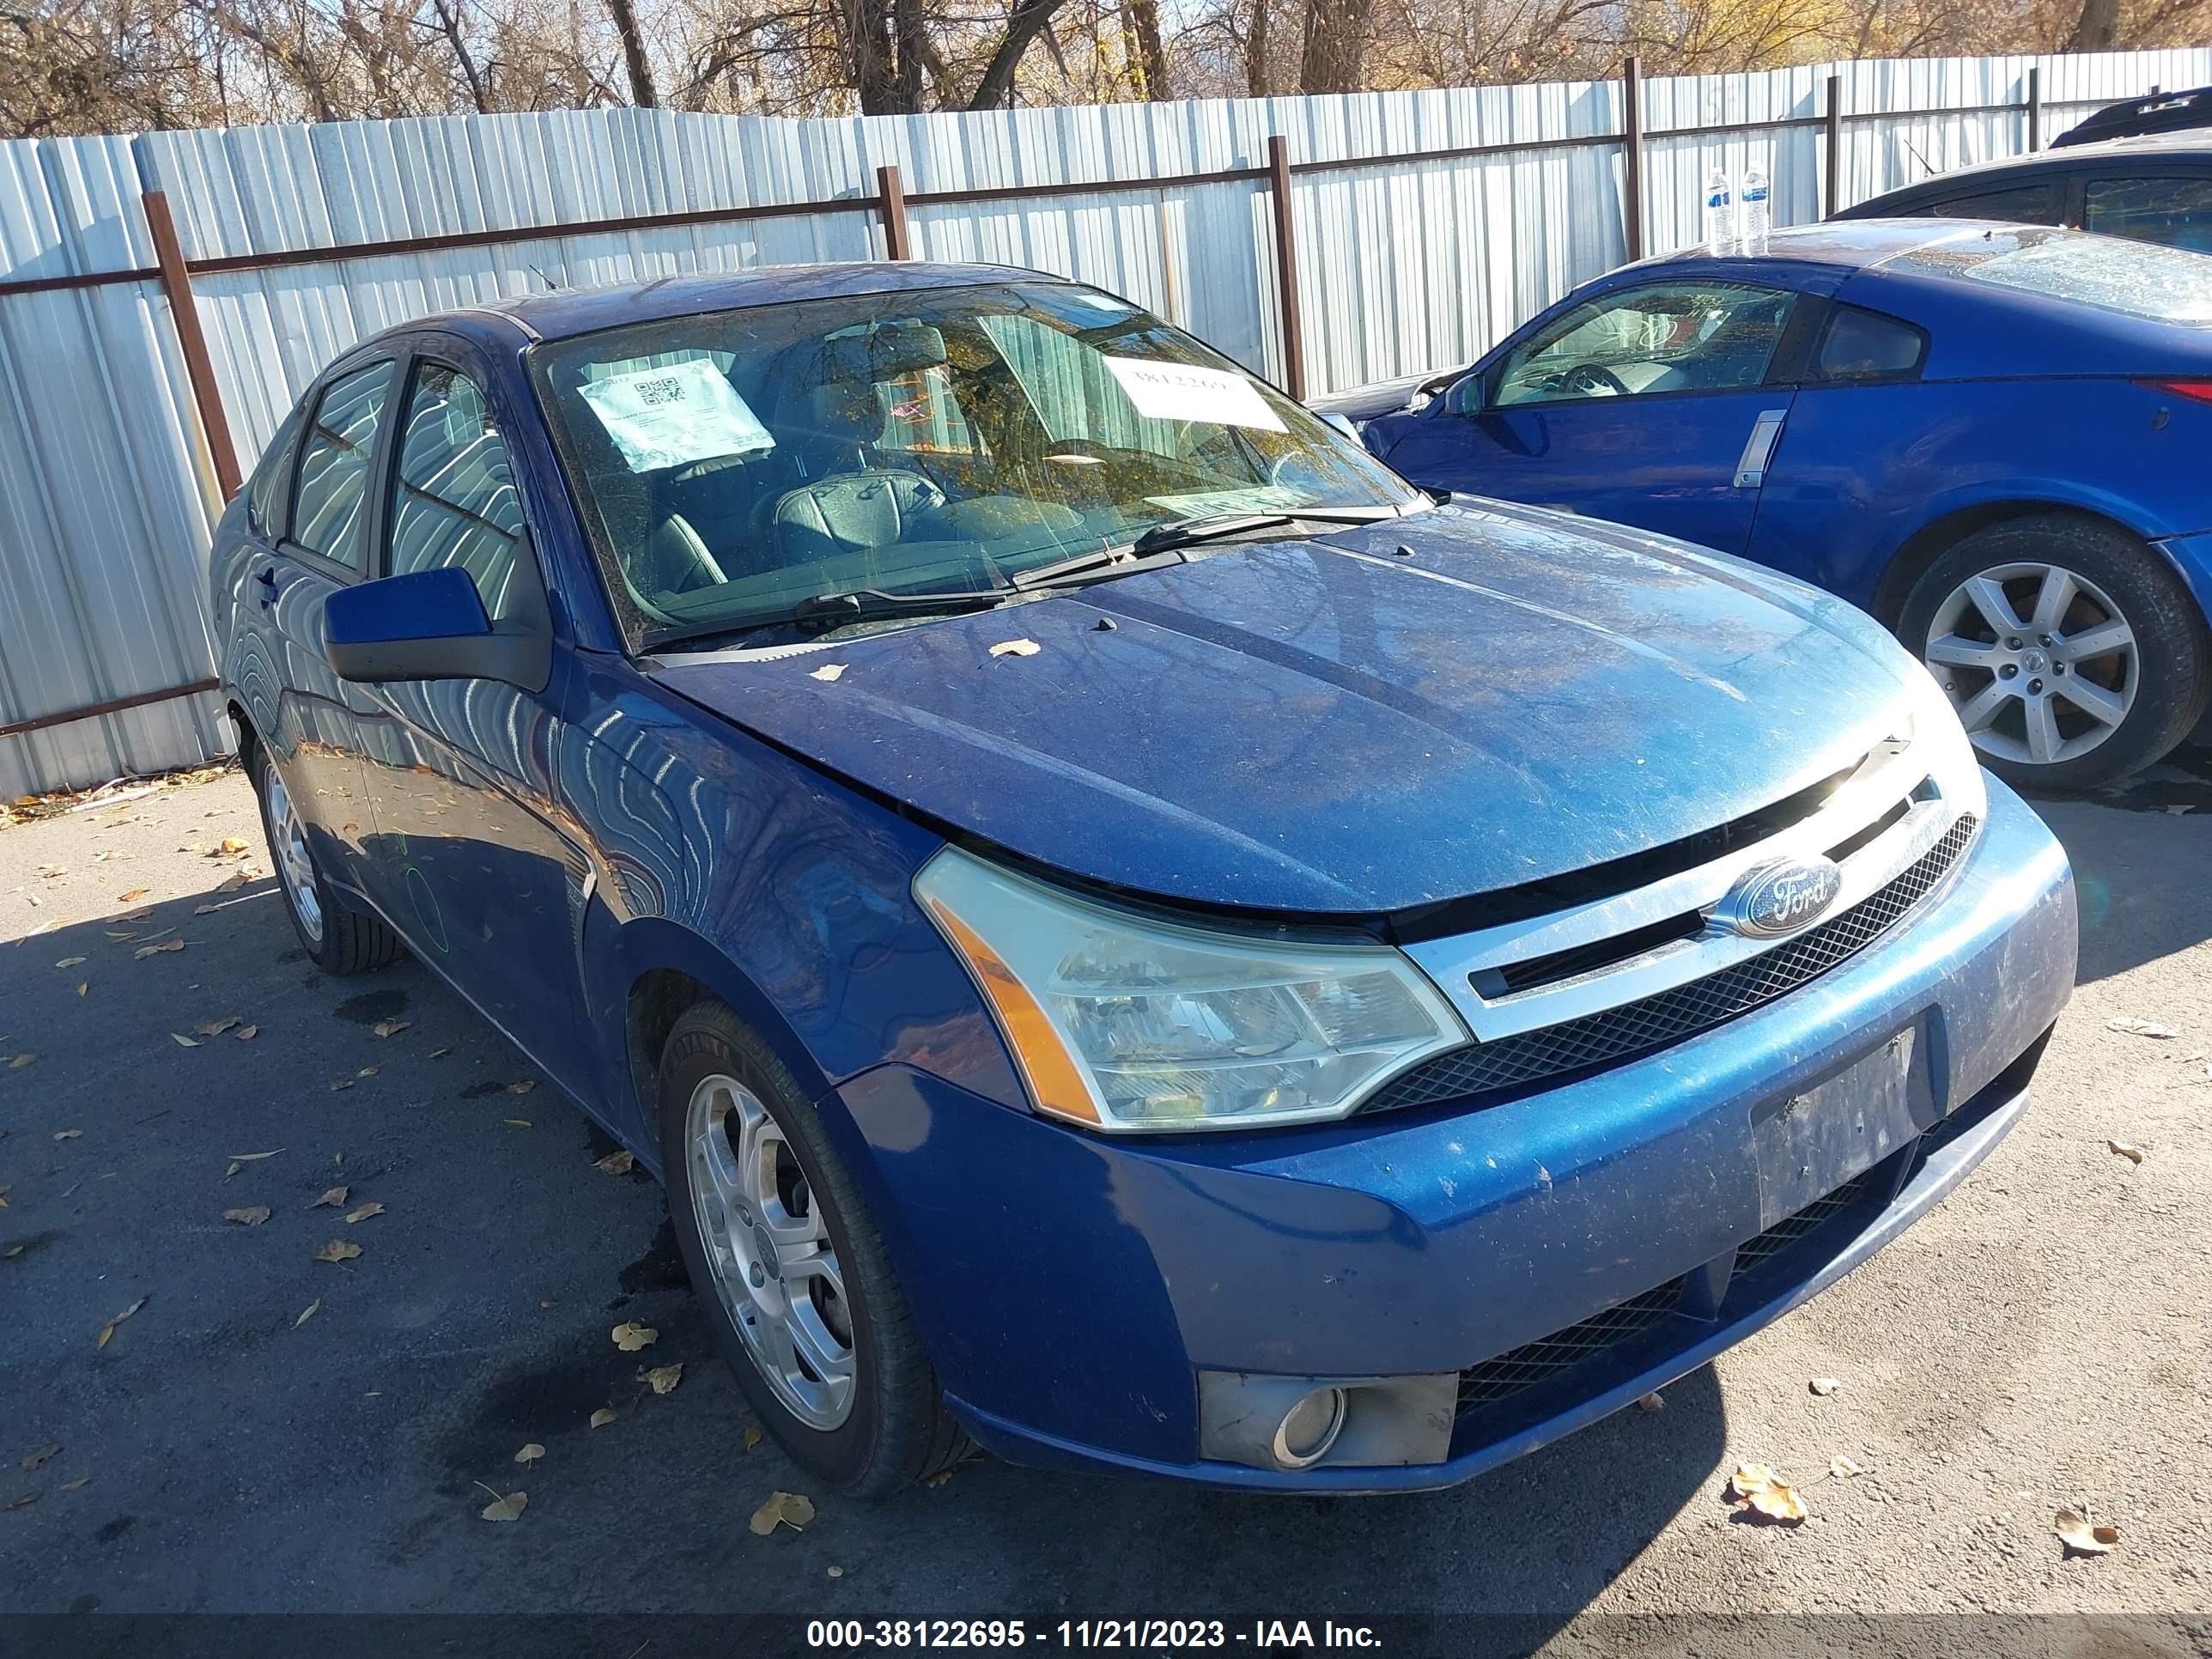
(1446, 705)
(1364, 403)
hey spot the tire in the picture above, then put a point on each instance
(338, 939)
(2056, 721)
(722, 1090)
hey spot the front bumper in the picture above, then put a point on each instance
(1070, 1287)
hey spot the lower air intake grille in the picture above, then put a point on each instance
(1638, 1027)
(1784, 1233)
(1532, 1363)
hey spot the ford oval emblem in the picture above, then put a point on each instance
(1773, 900)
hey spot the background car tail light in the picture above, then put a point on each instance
(2197, 391)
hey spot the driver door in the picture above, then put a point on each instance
(1659, 405)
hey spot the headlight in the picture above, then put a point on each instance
(1127, 1024)
(1943, 746)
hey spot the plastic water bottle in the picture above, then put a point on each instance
(1754, 212)
(1720, 214)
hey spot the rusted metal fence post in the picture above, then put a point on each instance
(1832, 201)
(1286, 267)
(2035, 109)
(1631, 132)
(199, 369)
(892, 194)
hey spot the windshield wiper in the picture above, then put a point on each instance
(835, 609)
(1144, 553)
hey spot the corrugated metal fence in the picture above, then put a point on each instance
(1419, 227)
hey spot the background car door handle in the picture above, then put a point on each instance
(268, 580)
(1751, 465)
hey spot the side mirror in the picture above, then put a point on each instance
(1468, 395)
(430, 625)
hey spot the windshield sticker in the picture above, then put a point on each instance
(674, 415)
(1260, 498)
(1183, 392)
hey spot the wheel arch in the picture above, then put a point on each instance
(1919, 551)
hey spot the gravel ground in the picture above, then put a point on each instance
(2040, 1341)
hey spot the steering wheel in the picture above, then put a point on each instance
(1595, 380)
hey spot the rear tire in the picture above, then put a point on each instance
(338, 939)
(791, 1272)
(2074, 655)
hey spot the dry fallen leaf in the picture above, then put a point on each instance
(341, 1085)
(184, 1041)
(135, 895)
(365, 1211)
(829, 670)
(59, 1135)
(437, 1053)
(663, 1378)
(37, 1455)
(229, 848)
(18, 1064)
(787, 1509)
(521, 1088)
(385, 1028)
(333, 1197)
(530, 1454)
(252, 1216)
(1757, 1485)
(1650, 1402)
(1015, 648)
(1748, 1479)
(2121, 1149)
(71, 962)
(616, 1163)
(2134, 1027)
(752, 1436)
(1841, 1468)
(145, 950)
(1825, 1386)
(23, 1499)
(77, 1485)
(835, 1572)
(338, 1250)
(108, 1329)
(307, 1313)
(630, 1337)
(215, 1027)
(509, 1508)
(602, 1417)
(247, 1033)
(2080, 1536)
(366, 1070)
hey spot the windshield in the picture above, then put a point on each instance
(2136, 278)
(732, 464)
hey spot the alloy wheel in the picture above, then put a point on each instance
(767, 1247)
(2039, 661)
(295, 868)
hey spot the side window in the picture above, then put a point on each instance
(2174, 210)
(1866, 345)
(1666, 336)
(264, 491)
(453, 499)
(327, 505)
(2024, 204)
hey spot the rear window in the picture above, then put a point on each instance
(2023, 204)
(2174, 210)
(2136, 279)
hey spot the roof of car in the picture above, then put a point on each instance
(559, 313)
(1844, 244)
(2149, 146)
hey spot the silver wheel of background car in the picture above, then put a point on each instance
(768, 1251)
(2040, 664)
(294, 868)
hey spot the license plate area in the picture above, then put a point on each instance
(1818, 1136)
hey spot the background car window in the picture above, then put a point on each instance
(2176, 211)
(2023, 204)
(326, 509)
(1670, 336)
(264, 492)
(2136, 279)
(1865, 345)
(453, 501)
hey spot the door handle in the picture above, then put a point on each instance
(1758, 449)
(268, 580)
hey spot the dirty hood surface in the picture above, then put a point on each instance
(1334, 726)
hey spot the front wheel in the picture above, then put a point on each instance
(2072, 653)
(793, 1273)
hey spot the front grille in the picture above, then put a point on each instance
(1532, 1363)
(1500, 1379)
(1638, 1028)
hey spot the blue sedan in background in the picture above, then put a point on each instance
(1132, 936)
(1998, 439)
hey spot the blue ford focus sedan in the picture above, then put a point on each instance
(1994, 437)
(1133, 938)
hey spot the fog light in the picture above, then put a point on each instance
(1309, 1428)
